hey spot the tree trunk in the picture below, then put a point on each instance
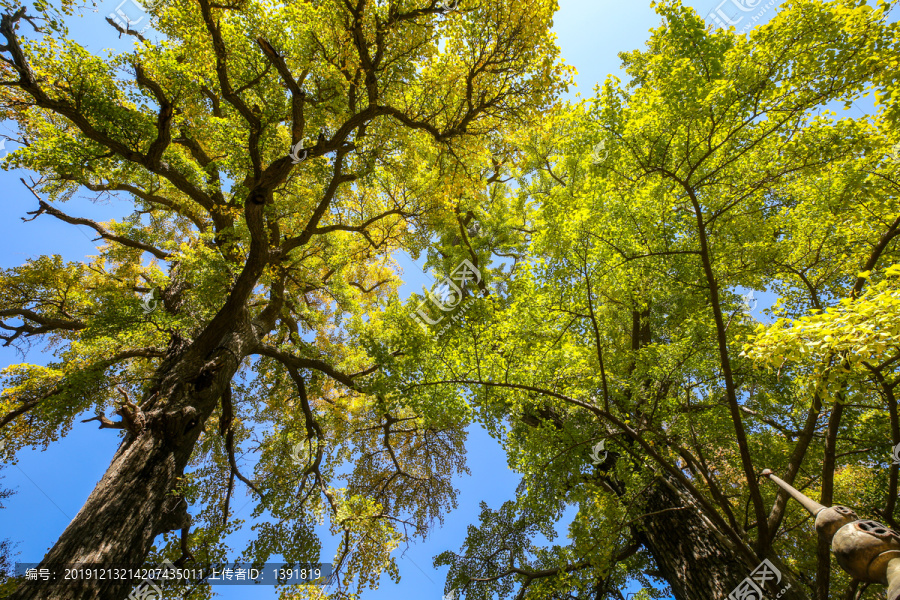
(698, 561)
(132, 503)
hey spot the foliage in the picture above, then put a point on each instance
(851, 337)
(401, 110)
(651, 210)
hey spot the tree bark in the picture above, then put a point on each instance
(697, 561)
(132, 503)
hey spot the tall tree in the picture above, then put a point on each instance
(655, 206)
(277, 156)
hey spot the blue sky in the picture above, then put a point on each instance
(52, 485)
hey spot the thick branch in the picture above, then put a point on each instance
(298, 362)
(45, 324)
(298, 98)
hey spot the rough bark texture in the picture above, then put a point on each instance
(132, 504)
(698, 562)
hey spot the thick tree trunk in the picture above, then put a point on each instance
(697, 561)
(132, 504)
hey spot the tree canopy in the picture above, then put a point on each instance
(656, 207)
(595, 314)
(277, 157)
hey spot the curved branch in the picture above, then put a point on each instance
(147, 197)
(45, 324)
(46, 208)
(298, 98)
(298, 362)
(229, 441)
(711, 513)
(163, 119)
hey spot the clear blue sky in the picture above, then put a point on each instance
(52, 485)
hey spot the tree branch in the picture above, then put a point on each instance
(46, 208)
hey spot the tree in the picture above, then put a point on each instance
(277, 157)
(654, 208)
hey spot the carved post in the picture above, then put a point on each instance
(867, 550)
